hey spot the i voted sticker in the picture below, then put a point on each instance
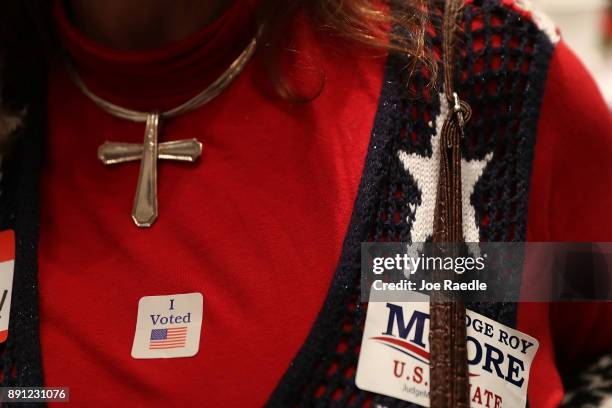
(7, 266)
(394, 356)
(168, 326)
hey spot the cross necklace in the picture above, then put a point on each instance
(144, 211)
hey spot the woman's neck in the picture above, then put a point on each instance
(143, 24)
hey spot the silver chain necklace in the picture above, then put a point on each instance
(144, 211)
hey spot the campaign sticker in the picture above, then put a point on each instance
(168, 326)
(394, 357)
(7, 266)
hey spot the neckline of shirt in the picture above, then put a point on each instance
(159, 78)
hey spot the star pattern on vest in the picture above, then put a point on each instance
(424, 171)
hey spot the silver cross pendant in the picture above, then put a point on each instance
(144, 212)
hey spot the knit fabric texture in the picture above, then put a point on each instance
(503, 59)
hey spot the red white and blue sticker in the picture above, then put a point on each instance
(7, 266)
(394, 356)
(168, 326)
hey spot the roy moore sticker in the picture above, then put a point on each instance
(394, 357)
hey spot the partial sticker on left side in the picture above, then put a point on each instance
(7, 266)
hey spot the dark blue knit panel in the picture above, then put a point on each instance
(503, 62)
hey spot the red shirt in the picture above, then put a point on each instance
(570, 201)
(257, 224)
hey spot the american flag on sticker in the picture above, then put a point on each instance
(169, 338)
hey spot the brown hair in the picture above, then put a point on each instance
(27, 41)
(364, 21)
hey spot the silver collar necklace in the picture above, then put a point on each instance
(144, 211)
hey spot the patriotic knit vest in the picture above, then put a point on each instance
(501, 70)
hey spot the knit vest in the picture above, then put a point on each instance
(502, 65)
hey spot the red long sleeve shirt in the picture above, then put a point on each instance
(257, 224)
